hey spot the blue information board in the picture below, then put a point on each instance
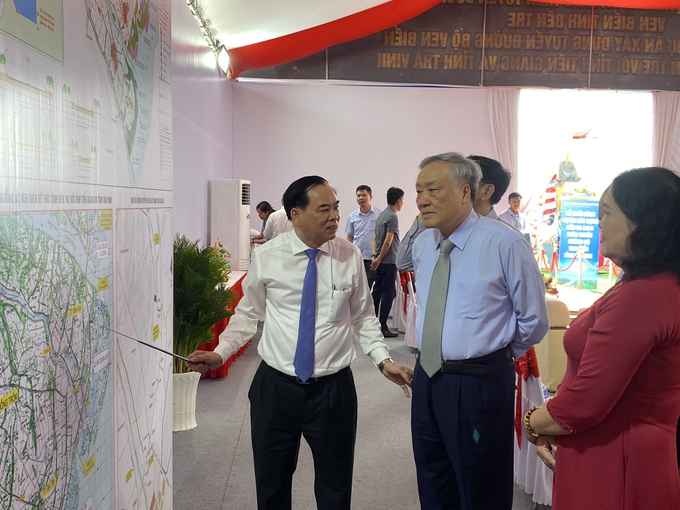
(579, 230)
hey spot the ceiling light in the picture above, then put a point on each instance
(223, 60)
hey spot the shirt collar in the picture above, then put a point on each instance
(297, 246)
(462, 233)
(368, 213)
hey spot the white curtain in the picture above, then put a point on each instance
(666, 138)
(504, 111)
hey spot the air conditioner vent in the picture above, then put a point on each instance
(245, 194)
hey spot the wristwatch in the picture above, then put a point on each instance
(381, 365)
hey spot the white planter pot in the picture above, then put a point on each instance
(184, 388)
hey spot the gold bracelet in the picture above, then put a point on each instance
(527, 423)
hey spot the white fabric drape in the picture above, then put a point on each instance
(504, 112)
(530, 472)
(666, 138)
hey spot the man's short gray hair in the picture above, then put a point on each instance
(461, 169)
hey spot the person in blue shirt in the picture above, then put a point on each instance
(487, 306)
(360, 228)
(511, 215)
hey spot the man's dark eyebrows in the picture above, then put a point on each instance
(322, 206)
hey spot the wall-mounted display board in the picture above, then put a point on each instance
(509, 43)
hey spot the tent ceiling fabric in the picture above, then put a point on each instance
(299, 44)
(265, 33)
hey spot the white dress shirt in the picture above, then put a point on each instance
(272, 291)
(277, 224)
(496, 293)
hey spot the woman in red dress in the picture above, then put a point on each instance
(611, 426)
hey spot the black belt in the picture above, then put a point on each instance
(474, 366)
(311, 380)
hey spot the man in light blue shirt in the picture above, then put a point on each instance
(493, 309)
(360, 228)
(511, 215)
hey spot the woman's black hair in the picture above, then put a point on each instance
(650, 200)
(264, 207)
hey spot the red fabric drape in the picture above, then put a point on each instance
(526, 366)
(307, 42)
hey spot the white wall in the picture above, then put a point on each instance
(351, 135)
(202, 100)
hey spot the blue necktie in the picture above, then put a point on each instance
(304, 353)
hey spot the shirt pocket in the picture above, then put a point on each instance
(469, 300)
(339, 304)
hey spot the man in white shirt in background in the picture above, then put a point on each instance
(304, 385)
(492, 186)
(511, 215)
(360, 228)
(277, 223)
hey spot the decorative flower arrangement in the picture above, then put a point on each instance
(224, 254)
(550, 285)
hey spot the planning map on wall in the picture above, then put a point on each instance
(127, 43)
(143, 376)
(37, 23)
(85, 142)
(56, 400)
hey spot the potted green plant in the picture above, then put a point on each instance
(200, 301)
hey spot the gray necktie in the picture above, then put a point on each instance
(431, 343)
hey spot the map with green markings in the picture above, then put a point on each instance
(56, 405)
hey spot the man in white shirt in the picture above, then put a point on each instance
(492, 186)
(360, 228)
(277, 223)
(511, 215)
(297, 392)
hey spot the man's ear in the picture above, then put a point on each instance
(489, 191)
(467, 193)
(294, 215)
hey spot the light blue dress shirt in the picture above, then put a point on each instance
(517, 221)
(496, 293)
(362, 227)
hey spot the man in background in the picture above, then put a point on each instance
(492, 186)
(404, 258)
(511, 215)
(360, 228)
(308, 287)
(384, 261)
(481, 302)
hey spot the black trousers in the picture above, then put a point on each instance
(370, 274)
(325, 413)
(462, 432)
(383, 292)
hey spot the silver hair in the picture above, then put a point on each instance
(461, 169)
